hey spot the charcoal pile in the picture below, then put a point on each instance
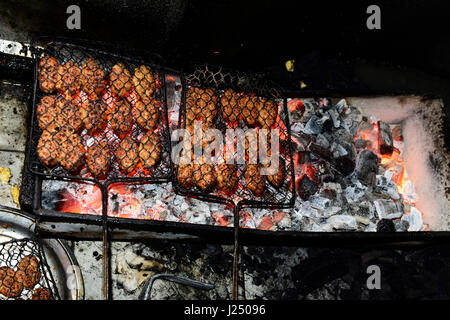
(350, 174)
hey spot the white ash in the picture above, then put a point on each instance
(401, 225)
(414, 219)
(343, 222)
(388, 209)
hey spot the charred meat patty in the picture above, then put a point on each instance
(201, 104)
(150, 149)
(128, 155)
(230, 107)
(120, 79)
(146, 113)
(121, 117)
(92, 78)
(68, 79)
(254, 181)
(98, 158)
(48, 74)
(144, 82)
(227, 178)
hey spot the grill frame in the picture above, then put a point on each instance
(123, 228)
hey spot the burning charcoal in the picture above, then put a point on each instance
(365, 126)
(285, 222)
(306, 187)
(323, 102)
(362, 220)
(414, 218)
(344, 165)
(367, 167)
(385, 225)
(397, 133)
(365, 209)
(336, 188)
(388, 209)
(355, 193)
(322, 141)
(334, 115)
(343, 222)
(409, 192)
(360, 143)
(338, 150)
(328, 126)
(385, 140)
(310, 109)
(313, 126)
(385, 185)
(305, 210)
(401, 225)
(341, 106)
(319, 202)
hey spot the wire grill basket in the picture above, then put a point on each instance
(231, 122)
(24, 272)
(98, 116)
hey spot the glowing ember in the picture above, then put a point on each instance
(393, 163)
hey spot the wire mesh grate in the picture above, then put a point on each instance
(24, 272)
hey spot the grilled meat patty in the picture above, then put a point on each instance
(68, 82)
(41, 294)
(47, 149)
(92, 78)
(201, 104)
(128, 155)
(71, 150)
(120, 79)
(267, 113)
(144, 82)
(48, 74)
(120, 117)
(150, 149)
(277, 179)
(249, 109)
(254, 181)
(98, 158)
(230, 107)
(28, 271)
(9, 286)
(146, 113)
(227, 178)
(93, 115)
(204, 175)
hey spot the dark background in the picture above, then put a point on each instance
(329, 40)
